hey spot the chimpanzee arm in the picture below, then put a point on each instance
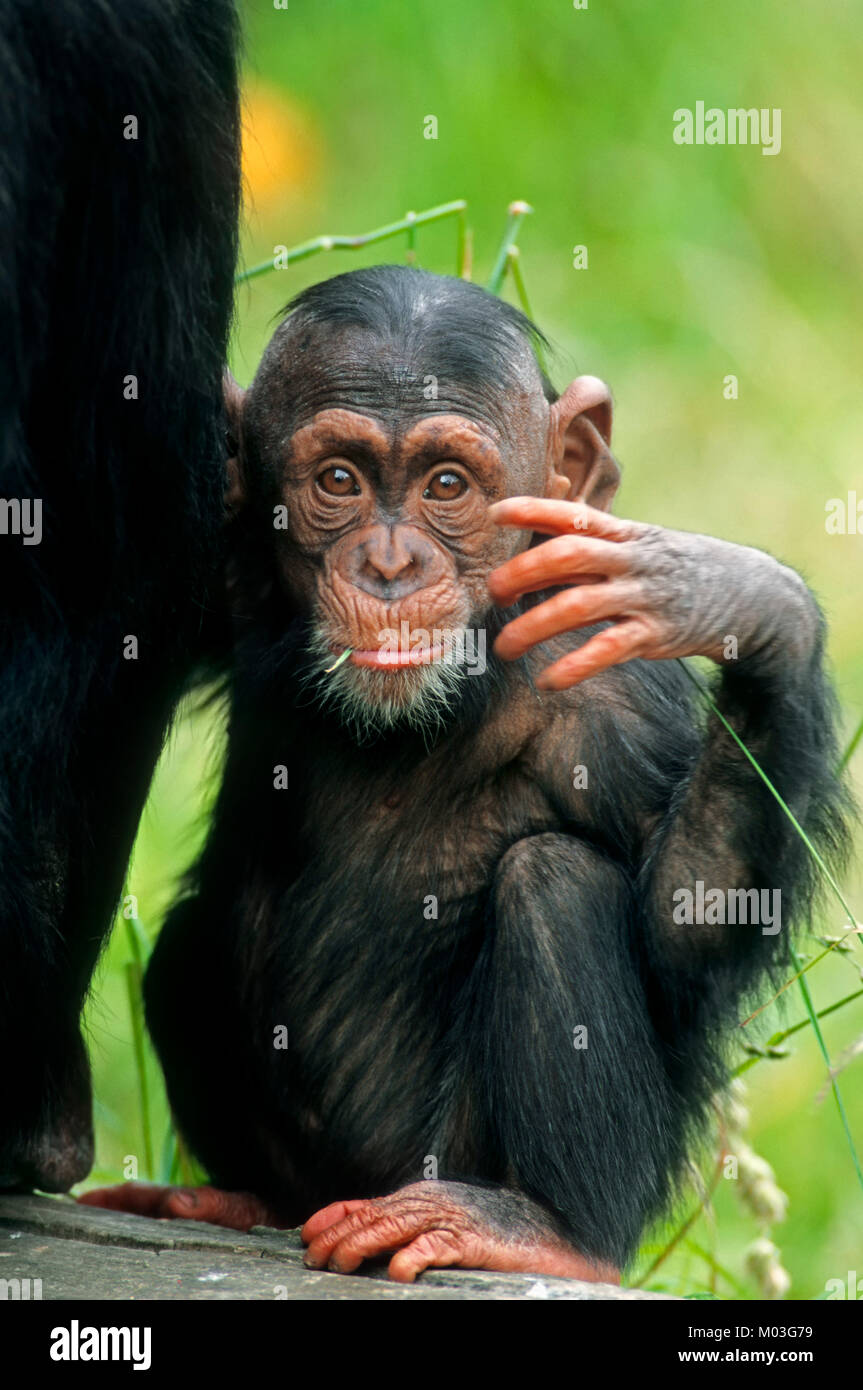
(675, 594)
(727, 831)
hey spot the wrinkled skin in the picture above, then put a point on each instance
(239, 1211)
(432, 1225)
(376, 556)
(667, 593)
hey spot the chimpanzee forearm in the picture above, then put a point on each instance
(724, 852)
(726, 831)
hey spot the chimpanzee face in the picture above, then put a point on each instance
(385, 467)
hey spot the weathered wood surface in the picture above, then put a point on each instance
(83, 1253)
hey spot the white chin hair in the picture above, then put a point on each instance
(369, 702)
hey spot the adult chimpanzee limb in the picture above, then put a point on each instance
(118, 213)
(462, 910)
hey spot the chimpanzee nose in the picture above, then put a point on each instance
(392, 561)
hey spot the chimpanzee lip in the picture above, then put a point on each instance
(390, 659)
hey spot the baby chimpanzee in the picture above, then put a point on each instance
(433, 991)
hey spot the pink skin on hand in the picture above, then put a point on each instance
(666, 593)
(588, 556)
(239, 1211)
(420, 1227)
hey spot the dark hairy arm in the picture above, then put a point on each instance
(673, 594)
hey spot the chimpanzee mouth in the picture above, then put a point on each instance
(394, 660)
(396, 685)
(407, 646)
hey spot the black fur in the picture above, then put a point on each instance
(453, 1037)
(471, 335)
(118, 260)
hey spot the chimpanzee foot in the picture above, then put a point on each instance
(444, 1224)
(238, 1210)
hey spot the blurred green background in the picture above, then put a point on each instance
(702, 262)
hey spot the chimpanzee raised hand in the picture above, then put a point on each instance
(436, 932)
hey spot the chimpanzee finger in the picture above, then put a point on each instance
(383, 1235)
(137, 1198)
(396, 1228)
(555, 562)
(237, 1210)
(565, 612)
(556, 518)
(608, 648)
(431, 1250)
(322, 1245)
(330, 1216)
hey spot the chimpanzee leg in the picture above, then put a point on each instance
(192, 1000)
(579, 1105)
(561, 1098)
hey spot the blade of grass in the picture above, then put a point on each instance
(850, 750)
(139, 945)
(467, 255)
(411, 253)
(683, 1230)
(462, 252)
(516, 213)
(837, 1095)
(168, 1159)
(788, 983)
(139, 941)
(339, 661)
(778, 1038)
(134, 981)
(715, 1267)
(408, 224)
(513, 266)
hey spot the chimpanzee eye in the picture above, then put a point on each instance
(337, 481)
(445, 487)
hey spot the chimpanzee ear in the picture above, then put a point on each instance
(584, 469)
(234, 397)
